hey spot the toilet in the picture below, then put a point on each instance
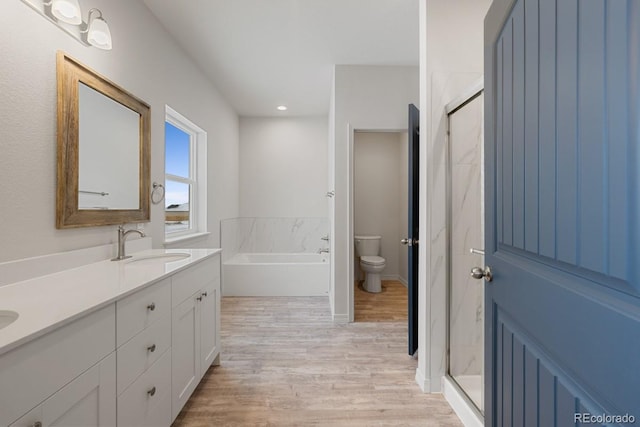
(368, 251)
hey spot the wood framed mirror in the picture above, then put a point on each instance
(104, 143)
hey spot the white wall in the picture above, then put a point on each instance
(365, 98)
(146, 62)
(450, 61)
(283, 167)
(380, 182)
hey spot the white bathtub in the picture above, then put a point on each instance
(276, 274)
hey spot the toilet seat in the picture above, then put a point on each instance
(372, 260)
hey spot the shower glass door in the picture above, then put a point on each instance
(466, 245)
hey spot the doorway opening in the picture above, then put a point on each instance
(380, 160)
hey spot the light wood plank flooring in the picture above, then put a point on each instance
(388, 305)
(285, 363)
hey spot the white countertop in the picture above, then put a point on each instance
(49, 302)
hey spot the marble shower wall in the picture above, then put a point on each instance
(466, 309)
(272, 235)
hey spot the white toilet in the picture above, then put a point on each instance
(368, 250)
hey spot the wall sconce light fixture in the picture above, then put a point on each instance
(67, 15)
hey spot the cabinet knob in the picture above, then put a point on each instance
(204, 294)
(151, 306)
(152, 391)
(151, 348)
(199, 298)
(37, 424)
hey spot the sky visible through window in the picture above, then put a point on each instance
(177, 144)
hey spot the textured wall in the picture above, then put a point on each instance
(146, 62)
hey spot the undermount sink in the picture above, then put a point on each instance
(7, 317)
(159, 258)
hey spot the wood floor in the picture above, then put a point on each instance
(285, 363)
(388, 305)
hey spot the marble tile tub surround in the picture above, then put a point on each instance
(272, 235)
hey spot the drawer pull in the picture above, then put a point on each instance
(152, 391)
(151, 306)
(204, 294)
(151, 348)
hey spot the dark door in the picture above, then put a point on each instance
(562, 127)
(412, 233)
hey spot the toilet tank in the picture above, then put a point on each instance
(368, 245)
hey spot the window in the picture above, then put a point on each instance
(185, 177)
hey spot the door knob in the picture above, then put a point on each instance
(480, 273)
(409, 241)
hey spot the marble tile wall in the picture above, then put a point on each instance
(466, 309)
(273, 235)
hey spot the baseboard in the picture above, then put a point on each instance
(422, 381)
(341, 318)
(464, 409)
(395, 277)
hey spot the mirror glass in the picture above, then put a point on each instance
(109, 157)
(104, 144)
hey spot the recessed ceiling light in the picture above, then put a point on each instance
(282, 107)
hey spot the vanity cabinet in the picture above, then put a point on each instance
(68, 376)
(133, 362)
(195, 329)
(144, 360)
(87, 401)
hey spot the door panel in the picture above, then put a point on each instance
(414, 165)
(563, 311)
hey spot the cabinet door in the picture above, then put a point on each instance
(185, 352)
(209, 338)
(88, 401)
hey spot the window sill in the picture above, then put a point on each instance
(184, 238)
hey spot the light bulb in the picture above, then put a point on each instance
(99, 34)
(67, 11)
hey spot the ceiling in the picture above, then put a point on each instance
(265, 53)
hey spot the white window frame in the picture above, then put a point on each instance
(197, 177)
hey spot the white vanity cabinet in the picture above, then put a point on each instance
(144, 361)
(195, 328)
(110, 344)
(66, 377)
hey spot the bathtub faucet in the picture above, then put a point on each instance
(323, 250)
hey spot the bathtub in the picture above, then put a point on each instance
(275, 274)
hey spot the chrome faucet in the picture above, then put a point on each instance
(122, 236)
(323, 250)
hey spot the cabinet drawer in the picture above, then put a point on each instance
(147, 402)
(141, 351)
(33, 372)
(141, 309)
(186, 283)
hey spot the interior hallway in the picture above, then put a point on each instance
(285, 363)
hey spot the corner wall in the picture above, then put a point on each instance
(450, 61)
(147, 62)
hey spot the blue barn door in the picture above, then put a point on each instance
(562, 134)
